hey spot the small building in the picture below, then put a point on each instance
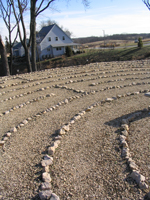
(18, 50)
(52, 41)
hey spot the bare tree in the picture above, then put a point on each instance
(6, 13)
(147, 3)
(18, 9)
(4, 67)
(36, 7)
(35, 11)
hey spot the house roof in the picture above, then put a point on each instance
(44, 31)
(17, 46)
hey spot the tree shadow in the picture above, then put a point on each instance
(117, 121)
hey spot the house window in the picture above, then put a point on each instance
(63, 37)
(56, 38)
(48, 49)
(49, 39)
(58, 48)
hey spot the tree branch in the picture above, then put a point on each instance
(147, 3)
(39, 11)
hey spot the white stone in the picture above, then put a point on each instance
(66, 101)
(25, 121)
(61, 131)
(13, 130)
(8, 134)
(51, 150)
(65, 127)
(45, 169)
(6, 112)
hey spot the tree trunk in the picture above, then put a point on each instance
(5, 66)
(33, 34)
(10, 62)
(27, 56)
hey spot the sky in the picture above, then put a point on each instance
(101, 16)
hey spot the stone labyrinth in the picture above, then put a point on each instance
(80, 132)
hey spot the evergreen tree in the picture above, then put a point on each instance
(140, 43)
(7, 45)
(69, 51)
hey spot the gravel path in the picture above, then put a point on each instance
(88, 163)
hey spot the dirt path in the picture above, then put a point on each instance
(88, 163)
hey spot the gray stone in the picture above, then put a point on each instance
(45, 194)
(47, 161)
(54, 197)
(61, 131)
(125, 133)
(147, 94)
(143, 185)
(133, 166)
(124, 127)
(46, 177)
(45, 186)
(45, 169)
(55, 144)
(125, 152)
(137, 176)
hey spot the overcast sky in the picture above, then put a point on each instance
(112, 16)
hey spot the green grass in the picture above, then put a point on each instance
(99, 55)
(90, 56)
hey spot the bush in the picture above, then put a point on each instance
(140, 43)
(68, 51)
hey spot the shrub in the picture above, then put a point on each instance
(140, 43)
(68, 51)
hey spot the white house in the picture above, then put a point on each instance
(18, 50)
(52, 42)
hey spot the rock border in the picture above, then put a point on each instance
(125, 151)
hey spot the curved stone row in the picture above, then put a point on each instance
(26, 103)
(26, 93)
(46, 188)
(103, 89)
(125, 151)
(74, 76)
(24, 122)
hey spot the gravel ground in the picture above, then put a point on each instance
(88, 163)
